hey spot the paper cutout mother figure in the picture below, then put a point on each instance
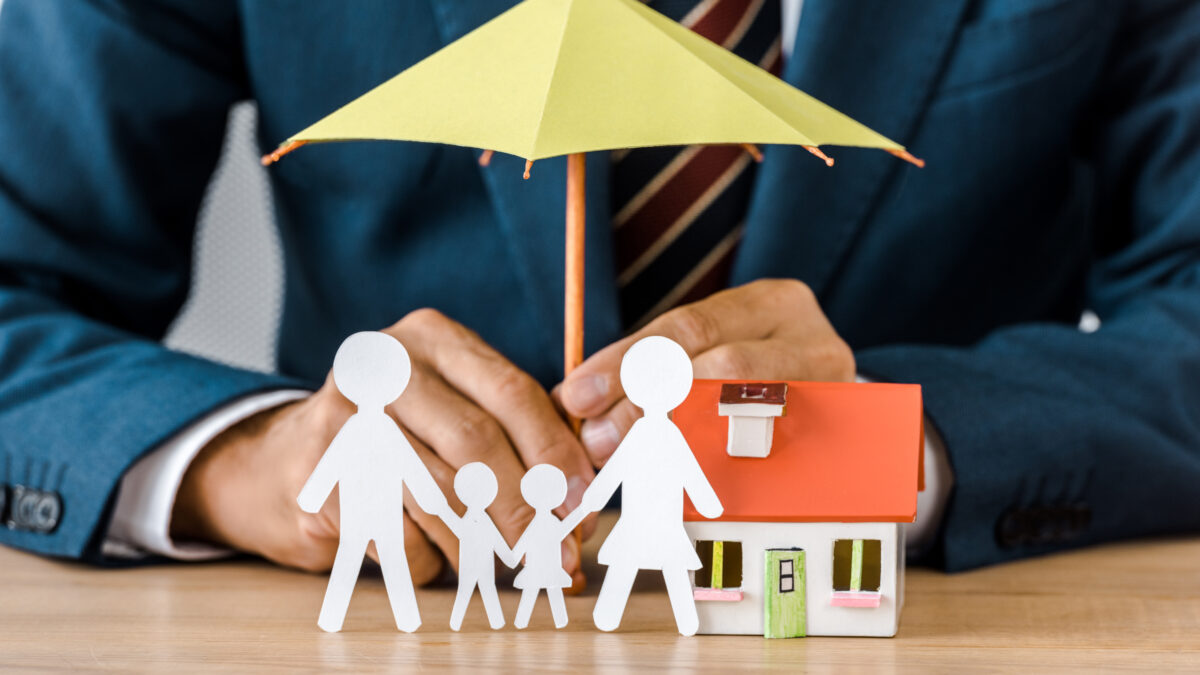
(369, 459)
(654, 466)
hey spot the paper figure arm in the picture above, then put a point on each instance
(695, 483)
(508, 556)
(596, 496)
(326, 474)
(453, 522)
(518, 549)
(572, 521)
(421, 484)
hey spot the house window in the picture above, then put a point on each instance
(720, 564)
(856, 564)
(787, 576)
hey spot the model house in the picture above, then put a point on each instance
(816, 479)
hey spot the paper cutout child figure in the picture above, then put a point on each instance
(370, 459)
(479, 541)
(544, 487)
(654, 466)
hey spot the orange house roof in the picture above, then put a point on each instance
(841, 453)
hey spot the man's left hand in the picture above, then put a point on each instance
(771, 329)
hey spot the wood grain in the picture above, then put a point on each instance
(1131, 606)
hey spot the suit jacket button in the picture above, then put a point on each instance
(47, 512)
(19, 508)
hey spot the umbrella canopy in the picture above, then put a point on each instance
(555, 77)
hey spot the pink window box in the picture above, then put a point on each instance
(717, 594)
(856, 599)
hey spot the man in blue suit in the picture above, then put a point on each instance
(1063, 147)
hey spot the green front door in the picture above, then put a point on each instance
(784, 613)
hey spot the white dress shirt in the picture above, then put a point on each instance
(141, 520)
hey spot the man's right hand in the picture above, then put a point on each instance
(464, 403)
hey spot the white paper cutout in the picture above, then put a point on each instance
(654, 466)
(371, 460)
(544, 487)
(479, 541)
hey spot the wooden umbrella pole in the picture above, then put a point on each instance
(573, 311)
(573, 314)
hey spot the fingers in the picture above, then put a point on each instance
(516, 400)
(601, 435)
(432, 527)
(454, 432)
(754, 311)
(507, 410)
(825, 360)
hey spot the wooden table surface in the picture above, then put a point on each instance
(1130, 606)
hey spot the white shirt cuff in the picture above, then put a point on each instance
(141, 520)
(931, 502)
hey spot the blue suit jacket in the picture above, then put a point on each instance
(1063, 148)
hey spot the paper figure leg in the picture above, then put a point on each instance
(346, 565)
(525, 607)
(466, 588)
(558, 607)
(491, 604)
(614, 593)
(398, 581)
(679, 590)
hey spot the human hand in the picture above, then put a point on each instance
(464, 403)
(769, 329)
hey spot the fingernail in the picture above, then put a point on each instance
(570, 555)
(599, 438)
(575, 488)
(585, 393)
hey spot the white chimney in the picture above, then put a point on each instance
(752, 408)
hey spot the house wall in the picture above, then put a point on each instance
(746, 617)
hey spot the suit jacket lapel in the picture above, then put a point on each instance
(878, 63)
(533, 215)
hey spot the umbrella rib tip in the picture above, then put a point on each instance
(817, 151)
(272, 157)
(908, 157)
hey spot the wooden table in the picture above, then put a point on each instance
(1127, 606)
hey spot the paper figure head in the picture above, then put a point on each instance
(544, 486)
(475, 485)
(371, 369)
(656, 374)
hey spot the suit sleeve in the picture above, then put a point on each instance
(111, 120)
(1059, 437)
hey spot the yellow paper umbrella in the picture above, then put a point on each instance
(565, 77)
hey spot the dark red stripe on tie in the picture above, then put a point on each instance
(721, 19)
(676, 196)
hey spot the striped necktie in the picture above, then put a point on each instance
(679, 212)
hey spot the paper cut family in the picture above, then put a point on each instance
(370, 458)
